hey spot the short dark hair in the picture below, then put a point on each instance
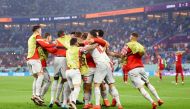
(84, 35)
(135, 34)
(78, 34)
(46, 35)
(100, 33)
(60, 33)
(73, 32)
(93, 33)
(73, 41)
(34, 28)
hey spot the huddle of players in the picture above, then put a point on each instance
(178, 66)
(86, 58)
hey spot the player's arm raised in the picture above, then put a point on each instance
(44, 43)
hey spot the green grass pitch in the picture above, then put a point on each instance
(15, 93)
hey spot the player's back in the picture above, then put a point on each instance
(98, 55)
(178, 59)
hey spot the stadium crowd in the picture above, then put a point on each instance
(68, 7)
(117, 33)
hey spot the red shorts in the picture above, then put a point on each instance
(179, 69)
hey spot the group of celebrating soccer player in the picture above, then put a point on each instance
(84, 58)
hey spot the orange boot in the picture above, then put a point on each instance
(106, 103)
(160, 102)
(154, 105)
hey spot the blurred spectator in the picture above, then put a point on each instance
(68, 7)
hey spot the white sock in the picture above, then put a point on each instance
(45, 88)
(104, 94)
(86, 98)
(66, 93)
(146, 95)
(115, 94)
(75, 94)
(53, 90)
(59, 90)
(34, 87)
(97, 95)
(39, 84)
(153, 91)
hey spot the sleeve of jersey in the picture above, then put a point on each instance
(51, 50)
(44, 44)
(100, 41)
(124, 50)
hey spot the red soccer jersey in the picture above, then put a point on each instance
(101, 41)
(161, 64)
(61, 50)
(178, 59)
(90, 61)
(133, 60)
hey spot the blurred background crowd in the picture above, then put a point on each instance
(68, 7)
(161, 33)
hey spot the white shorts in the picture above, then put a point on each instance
(46, 75)
(103, 72)
(88, 78)
(73, 77)
(138, 77)
(60, 66)
(34, 66)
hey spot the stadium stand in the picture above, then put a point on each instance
(158, 30)
(68, 7)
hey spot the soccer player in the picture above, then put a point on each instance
(73, 74)
(88, 77)
(160, 66)
(135, 68)
(62, 42)
(179, 68)
(34, 63)
(104, 94)
(43, 57)
(103, 72)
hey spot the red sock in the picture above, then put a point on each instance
(176, 78)
(182, 77)
(160, 74)
(125, 75)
